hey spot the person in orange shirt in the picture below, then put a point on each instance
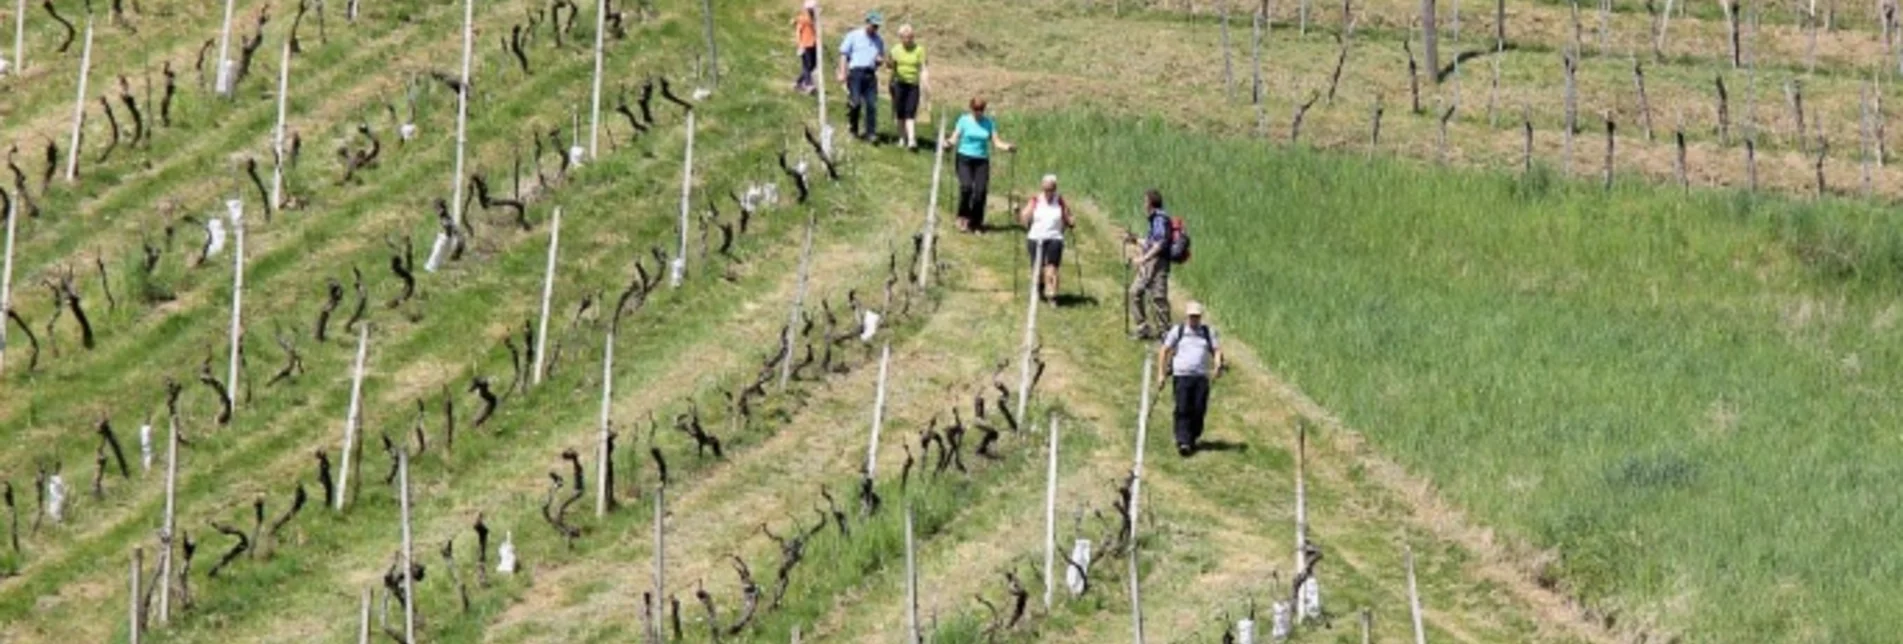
(806, 34)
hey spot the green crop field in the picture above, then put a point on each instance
(1683, 399)
(1589, 415)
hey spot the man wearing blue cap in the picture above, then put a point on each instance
(860, 56)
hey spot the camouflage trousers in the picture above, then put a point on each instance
(1149, 299)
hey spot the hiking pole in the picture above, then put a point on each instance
(1011, 199)
(1082, 290)
(1125, 251)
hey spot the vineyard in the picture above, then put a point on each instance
(560, 321)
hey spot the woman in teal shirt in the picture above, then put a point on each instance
(973, 137)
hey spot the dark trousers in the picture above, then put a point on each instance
(862, 86)
(809, 60)
(974, 181)
(1192, 403)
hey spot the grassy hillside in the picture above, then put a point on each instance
(1670, 406)
(1217, 530)
(1680, 399)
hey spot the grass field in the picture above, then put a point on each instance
(1600, 377)
(1681, 399)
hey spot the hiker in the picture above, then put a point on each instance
(1045, 218)
(860, 56)
(806, 35)
(1193, 356)
(973, 137)
(908, 84)
(1149, 302)
(908, 81)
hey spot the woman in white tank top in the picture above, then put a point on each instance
(1045, 218)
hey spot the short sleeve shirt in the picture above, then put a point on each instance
(974, 136)
(862, 49)
(1192, 349)
(908, 62)
(808, 32)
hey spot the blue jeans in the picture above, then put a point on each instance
(862, 86)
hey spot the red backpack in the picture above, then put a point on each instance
(1179, 242)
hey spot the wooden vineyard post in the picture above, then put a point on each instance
(594, 110)
(1136, 496)
(1430, 40)
(222, 74)
(1751, 163)
(132, 616)
(363, 619)
(1678, 162)
(1724, 110)
(1414, 600)
(409, 579)
(548, 293)
(1050, 522)
(1228, 68)
(236, 209)
(607, 397)
(660, 561)
(1301, 500)
(277, 136)
(79, 103)
(1658, 39)
(1571, 63)
(678, 270)
(1610, 127)
(1864, 133)
(19, 36)
(713, 50)
(819, 84)
(1367, 626)
(1374, 127)
(351, 418)
(878, 412)
(6, 277)
(1526, 140)
(1030, 331)
(1645, 105)
(925, 259)
(1257, 91)
(911, 581)
(168, 525)
(1732, 36)
(462, 114)
(799, 299)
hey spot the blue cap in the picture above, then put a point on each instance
(875, 18)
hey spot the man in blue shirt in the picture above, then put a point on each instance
(860, 56)
(1149, 303)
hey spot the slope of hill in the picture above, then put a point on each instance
(1217, 530)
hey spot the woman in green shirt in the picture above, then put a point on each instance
(908, 76)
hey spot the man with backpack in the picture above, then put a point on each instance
(1165, 244)
(1192, 356)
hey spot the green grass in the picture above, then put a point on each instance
(1685, 397)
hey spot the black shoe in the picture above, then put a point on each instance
(1185, 450)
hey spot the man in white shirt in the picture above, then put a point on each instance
(1193, 356)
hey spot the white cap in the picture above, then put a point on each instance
(1194, 309)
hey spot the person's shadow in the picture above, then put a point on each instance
(1222, 446)
(1067, 300)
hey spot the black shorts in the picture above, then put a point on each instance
(1053, 250)
(905, 100)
